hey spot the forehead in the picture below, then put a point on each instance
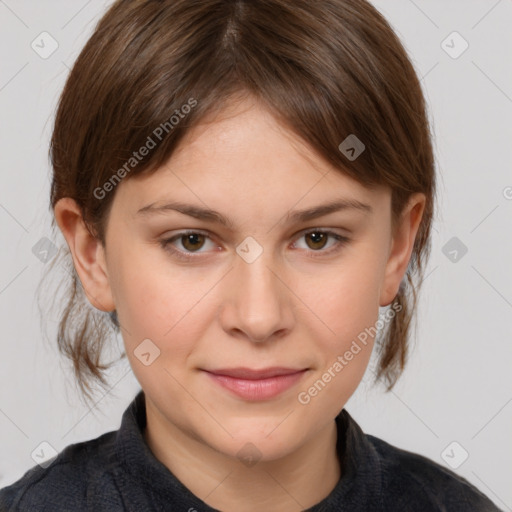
(244, 156)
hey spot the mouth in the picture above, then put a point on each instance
(253, 384)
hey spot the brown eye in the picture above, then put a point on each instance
(187, 244)
(320, 242)
(318, 239)
(192, 241)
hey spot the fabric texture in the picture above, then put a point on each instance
(117, 472)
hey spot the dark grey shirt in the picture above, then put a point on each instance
(117, 472)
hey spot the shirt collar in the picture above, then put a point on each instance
(358, 489)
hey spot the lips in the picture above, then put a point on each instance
(256, 385)
(250, 374)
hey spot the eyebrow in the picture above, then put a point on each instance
(294, 216)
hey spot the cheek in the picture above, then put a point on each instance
(345, 299)
(346, 302)
(164, 304)
(343, 341)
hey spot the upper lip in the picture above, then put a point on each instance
(251, 374)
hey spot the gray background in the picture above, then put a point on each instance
(458, 384)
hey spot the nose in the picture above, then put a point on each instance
(257, 303)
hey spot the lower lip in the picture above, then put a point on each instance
(261, 389)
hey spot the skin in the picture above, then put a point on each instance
(296, 305)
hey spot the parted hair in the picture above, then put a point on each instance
(327, 69)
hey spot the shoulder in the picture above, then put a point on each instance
(66, 481)
(410, 479)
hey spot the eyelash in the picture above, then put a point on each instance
(341, 242)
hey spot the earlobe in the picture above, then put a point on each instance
(87, 252)
(402, 246)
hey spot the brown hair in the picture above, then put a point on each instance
(327, 69)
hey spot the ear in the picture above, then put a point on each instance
(402, 245)
(88, 254)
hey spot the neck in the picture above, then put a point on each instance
(299, 480)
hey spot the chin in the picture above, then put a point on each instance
(255, 440)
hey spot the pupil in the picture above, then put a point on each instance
(192, 240)
(318, 238)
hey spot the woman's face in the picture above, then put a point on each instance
(265, 289)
